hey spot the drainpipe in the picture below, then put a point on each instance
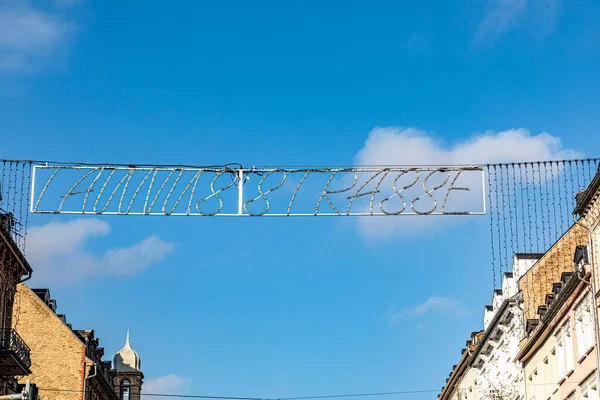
(521, 365)
(590, 285)
(91, 376)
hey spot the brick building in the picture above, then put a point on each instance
(67, 364)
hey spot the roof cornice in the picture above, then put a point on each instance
(586, 197)
(505, 305)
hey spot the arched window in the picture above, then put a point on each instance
(125, 389)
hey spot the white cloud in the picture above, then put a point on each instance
(168, 384)
(29, 35)
(410, 146)
(441, 305)
(502, 16)
(57, 252)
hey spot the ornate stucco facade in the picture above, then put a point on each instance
(487, 368)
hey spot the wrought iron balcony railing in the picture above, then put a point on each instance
(15, 355)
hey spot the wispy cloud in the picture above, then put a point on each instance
(502, 16)
(58, 252)
(444, 305)
(30, 35)
(417, 42)
(168, 384)
(441, 305)
(411, 146)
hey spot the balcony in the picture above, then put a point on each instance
(15, 358)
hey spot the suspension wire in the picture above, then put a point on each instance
(525, 236)
(557, 229)
(547, 204)
(315, 397)
(588, 172)
(14, 198)
(9, 190)
(569, 178)
(535, 213)
(529, 219)
(551, 236)
(506, 245)
(236, 165)
(510, 216)
(498, 222)
(573, 192)
(578, 181)
(551, 199)
(513, 228)
(584, 178)
(490, 190)
(22, 192)
(514, 187)
(560, 206)
(3, 184)
(333, 396)
(27, 200)
(539, 171)
(530, 209)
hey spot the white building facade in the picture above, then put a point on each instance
(490, 371)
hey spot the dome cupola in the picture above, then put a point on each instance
(126, 359)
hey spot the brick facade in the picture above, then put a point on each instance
(135, 379)
(61, 358)
(57, 355)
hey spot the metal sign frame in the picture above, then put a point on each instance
(174, 193)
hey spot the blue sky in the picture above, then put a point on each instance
(286, 307)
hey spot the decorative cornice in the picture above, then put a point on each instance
(492, 326)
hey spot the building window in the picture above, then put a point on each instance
(552, 370)
(584, 327)
(546, 378)
(568, 347)
(560, 358)
(534, 384)
(564, 351)
(589, 390)
(124, 389)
